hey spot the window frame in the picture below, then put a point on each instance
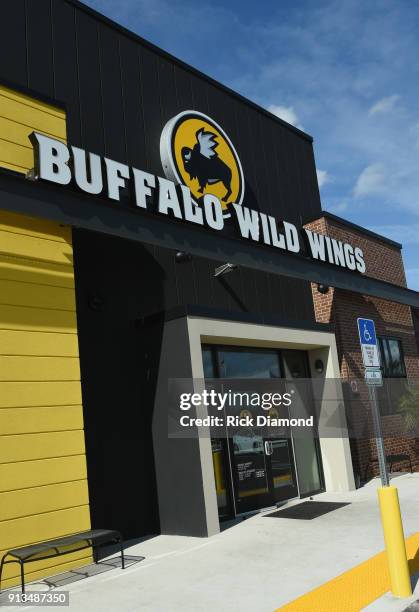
(384, 393)
(386, 373)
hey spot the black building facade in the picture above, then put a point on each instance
(146, 297)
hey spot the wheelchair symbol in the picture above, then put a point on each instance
(367, 335)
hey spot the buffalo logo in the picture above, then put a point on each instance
(196, 152)
(203, 163)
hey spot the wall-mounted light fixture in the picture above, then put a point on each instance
(323, 288)
(224, 269)
(182, 257)
(319, 366)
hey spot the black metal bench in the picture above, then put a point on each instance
(391, 459)
(62, 546)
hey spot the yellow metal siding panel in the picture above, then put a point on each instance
(36, 104)
(39, 393)
(36, 419)
(32, 247)
(76, 519)
(25, 474)
(19, 116)
(36, 319)
(12, 131)
(43, 344)
(21, 531)
(26, 447)
(43, 479)
(32, 271)
(12, 153)
(14, 167)
(17, 504)
(36, 296)
(40, 228)
(23, 368)
(33, 120)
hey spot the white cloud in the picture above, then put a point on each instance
(322, 177)
(287, 113)
(371, 181)
(339, 208)
(384, 105)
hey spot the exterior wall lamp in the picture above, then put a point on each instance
(182, 257)
(323, 288)
(224, 269)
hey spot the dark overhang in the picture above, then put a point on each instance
(96, 214)
(205, 312)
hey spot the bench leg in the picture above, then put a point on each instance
(122, 554)
(22, 576)
(411, 468)
(95, 557)
(1, 569)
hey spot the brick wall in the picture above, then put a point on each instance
(341, 308)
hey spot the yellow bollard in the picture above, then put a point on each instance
(394, 540)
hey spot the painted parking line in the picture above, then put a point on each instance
(357, 588)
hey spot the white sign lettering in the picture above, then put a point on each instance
(57, 163)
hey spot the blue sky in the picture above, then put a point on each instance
(346, 71)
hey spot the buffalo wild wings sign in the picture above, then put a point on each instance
(203, 184)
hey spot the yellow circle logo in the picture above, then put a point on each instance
(196, 152)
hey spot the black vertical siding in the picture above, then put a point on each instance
(152, 122)
(119, 92)
(116, 282)
(90, 83)
(131, 80)
(114, 126)
(40, 54)
(13, 43)
(65, 61)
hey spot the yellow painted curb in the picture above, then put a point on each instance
(357, 588)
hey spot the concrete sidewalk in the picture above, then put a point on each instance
(259, 564)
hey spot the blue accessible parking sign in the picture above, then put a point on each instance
(369, 345)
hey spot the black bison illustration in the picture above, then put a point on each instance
(202, 162)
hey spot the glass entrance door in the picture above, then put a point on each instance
(251, 471)
(263, 472)
(282, 478)
(254, 459)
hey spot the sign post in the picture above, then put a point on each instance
(373, 378)
(387, 495)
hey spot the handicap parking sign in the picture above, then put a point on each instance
(369, 345)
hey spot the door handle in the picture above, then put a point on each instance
(268, 448)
